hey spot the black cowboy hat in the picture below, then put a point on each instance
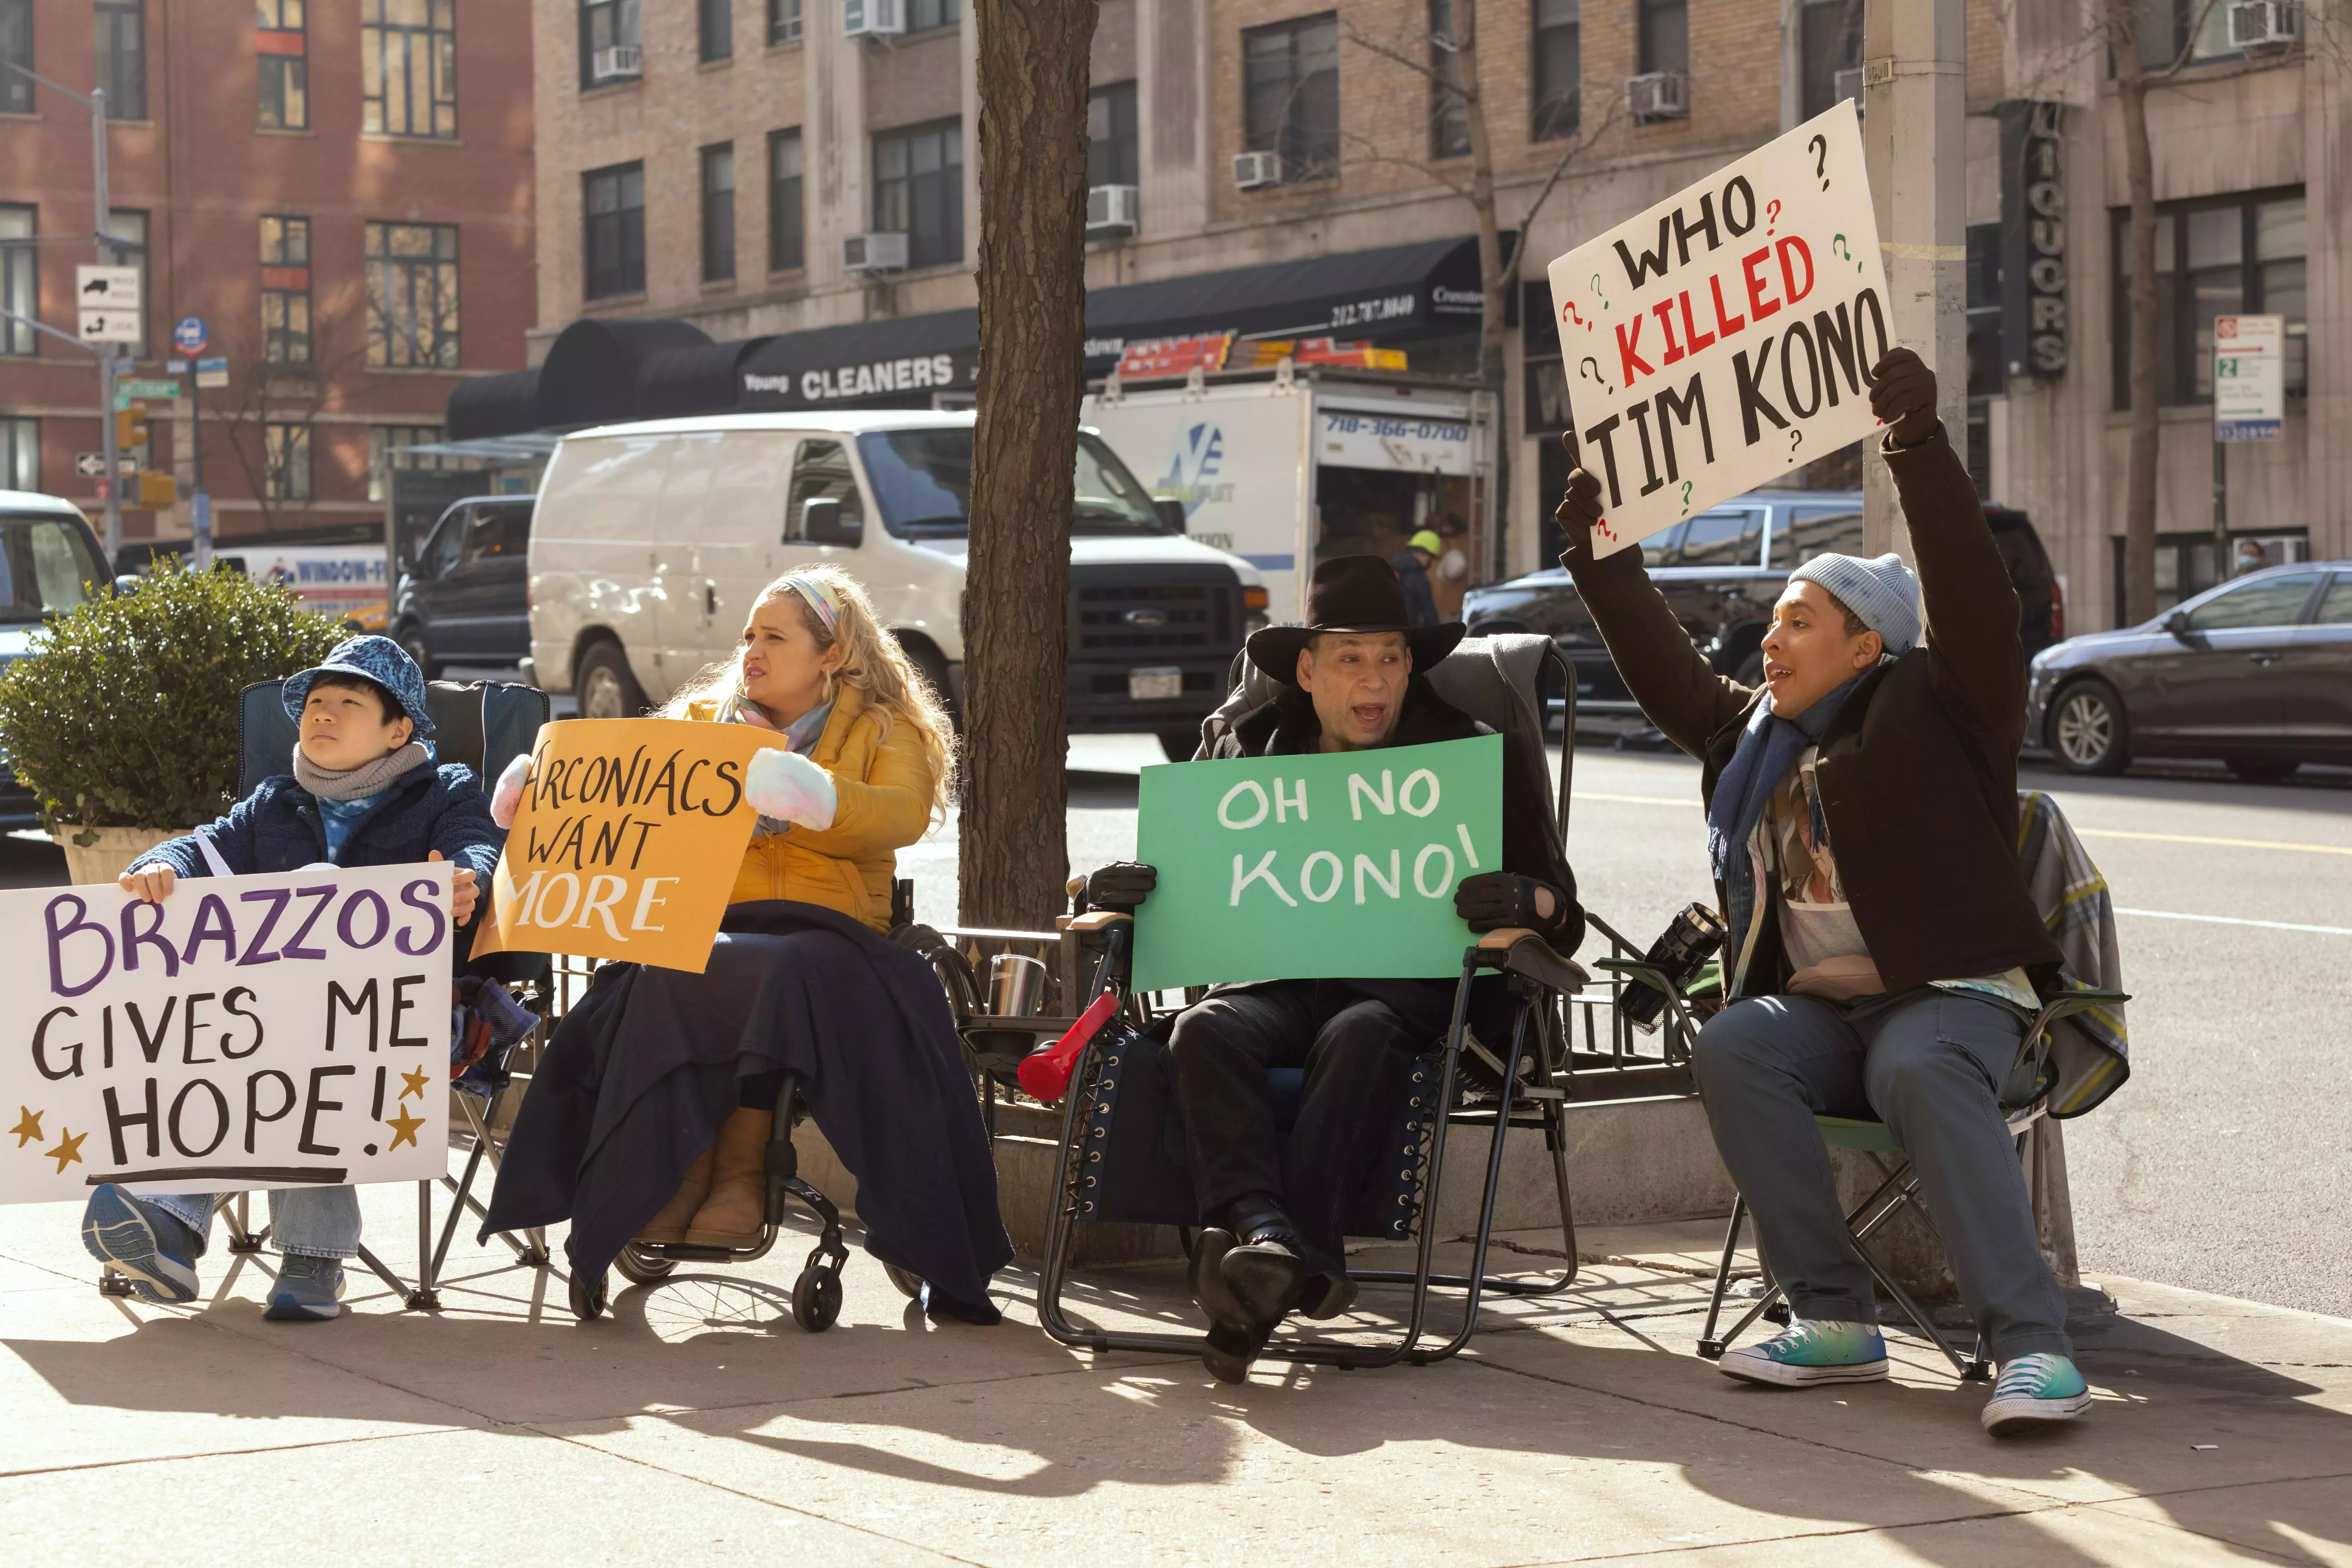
(1351, 594)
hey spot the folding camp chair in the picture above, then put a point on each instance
(484, 725)
(1118, 1162)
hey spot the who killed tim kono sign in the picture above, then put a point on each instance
(1726, 335)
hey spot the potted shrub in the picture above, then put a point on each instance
(122, 720)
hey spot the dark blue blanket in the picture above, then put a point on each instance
(645, 1066)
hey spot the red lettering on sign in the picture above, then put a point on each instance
(1724, 325)
(1629, 357)
(1790, 289)
(1691, 334)
(1758, 305)
(1663, 310)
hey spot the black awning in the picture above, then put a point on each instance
(898, 363)
(700, 378)
(590, 375)
(1396, 292)
(501, 404)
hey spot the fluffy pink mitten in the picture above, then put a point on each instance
(507, 798)
(790, 788)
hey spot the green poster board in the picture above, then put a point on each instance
(1338, 865)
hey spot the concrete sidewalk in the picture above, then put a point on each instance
(696, 1424)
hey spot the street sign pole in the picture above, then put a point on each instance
(106, 256)
(2249, 404)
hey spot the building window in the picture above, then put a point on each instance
(1558, 63)
(606, 25)
(787, 222)
(282, 44)
(784, 21)
(2164, 28)
(1290, 95)
(130, 227)
(922, 16)
(918, 190)
(286, 290)
(615, 243)
(16, 46)
(1111, 150)
(19, 280)
(20, 454)
(1985, 367)
(411, 295)
(1449, 108)
(2215, 256)
(388, 449)
(1662, 36)
(408, 68)
(1828, 44)
(714, 27)
(122, 58)
(286, 462)
(719, 212)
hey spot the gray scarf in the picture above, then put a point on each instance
(359, 782)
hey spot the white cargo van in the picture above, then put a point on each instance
(652, 540)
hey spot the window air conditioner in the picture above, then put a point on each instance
(1253, 171)
(873, 18)
(621, 62)
(874, 253)
(1112, 212)
(2265, 24)
(1658, 95)
(1846, 84)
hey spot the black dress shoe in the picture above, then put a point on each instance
(1325, 1296)
(1229, 1352)
(1264, 1272)
(1209, 1290)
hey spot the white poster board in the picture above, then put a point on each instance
(2249, 377)
(1726, 335)
(279, 1031)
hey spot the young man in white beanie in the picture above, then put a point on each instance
(1882, 951)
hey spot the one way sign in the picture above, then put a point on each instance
(92, 465)
(109, 302)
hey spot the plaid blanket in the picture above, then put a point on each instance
(2090, 1050)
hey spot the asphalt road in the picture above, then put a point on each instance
(2225, 1164)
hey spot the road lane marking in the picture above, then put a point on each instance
(2232, 920)
(2226, 842)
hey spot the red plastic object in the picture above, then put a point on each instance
(1046, 1074)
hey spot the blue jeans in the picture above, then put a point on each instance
(305, 1222)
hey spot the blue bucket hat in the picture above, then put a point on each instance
(378, 660)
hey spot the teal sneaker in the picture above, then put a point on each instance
(1807, 1352)
(144, 1242)
(308, 1289)
(2034, 1391)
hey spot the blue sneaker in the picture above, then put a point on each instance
(144, 1242)
(2034, 1391)
(1807, 1352)
(308, 1289)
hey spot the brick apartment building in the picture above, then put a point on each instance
(341, 190)
(710, 162)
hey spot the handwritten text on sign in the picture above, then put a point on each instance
(1726, 335)
(275, 1031)
(1315, 867)
(627, 842)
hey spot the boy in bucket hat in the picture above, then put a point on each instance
(364, 790)
(1351, 681)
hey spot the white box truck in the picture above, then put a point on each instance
(1286, 468)
(652, 540)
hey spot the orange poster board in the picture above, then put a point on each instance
(627, 841)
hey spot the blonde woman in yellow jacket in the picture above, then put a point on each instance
(866, 767)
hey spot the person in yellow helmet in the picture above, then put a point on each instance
(1413, 563)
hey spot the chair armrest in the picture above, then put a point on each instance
(1101, 920)
(1649, 975)
(1519, 951)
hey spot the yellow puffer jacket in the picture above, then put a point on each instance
(885, 785)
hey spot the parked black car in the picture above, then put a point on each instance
(468, 599)
(1722, 571)
(2256, 673)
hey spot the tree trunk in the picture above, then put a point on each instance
(1012, 855)
(1494, 270)
(2139, 486)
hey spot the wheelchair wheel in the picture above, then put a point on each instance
(816, 1299)
(909, 1285)
(587, 1298)
(642, 1267)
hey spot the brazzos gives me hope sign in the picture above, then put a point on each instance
(1340, 865)
(1726, 335)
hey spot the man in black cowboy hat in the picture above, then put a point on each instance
(1351, 681)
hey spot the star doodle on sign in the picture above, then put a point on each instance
(403, 1128)
(69, 1150)
(28, 1126)
(413, 1083)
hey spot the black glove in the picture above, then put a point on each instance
(1121, 885)
(1493, 900)
(1580, 508)
(1902, 395)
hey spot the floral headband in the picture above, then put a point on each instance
(819, 597)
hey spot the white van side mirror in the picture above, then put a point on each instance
(821, 523)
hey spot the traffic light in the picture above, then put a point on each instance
(130, 427)
(157, 491)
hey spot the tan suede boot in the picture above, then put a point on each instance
(736, 1211)
(670, 1224)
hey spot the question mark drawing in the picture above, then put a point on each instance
(1577, 319)
(1821, 150)
(1795, 437)
(1686, 491)
(1771, 215)
(1597, 289)
(1591, 368)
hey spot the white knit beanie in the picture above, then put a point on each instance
(1885, 592)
